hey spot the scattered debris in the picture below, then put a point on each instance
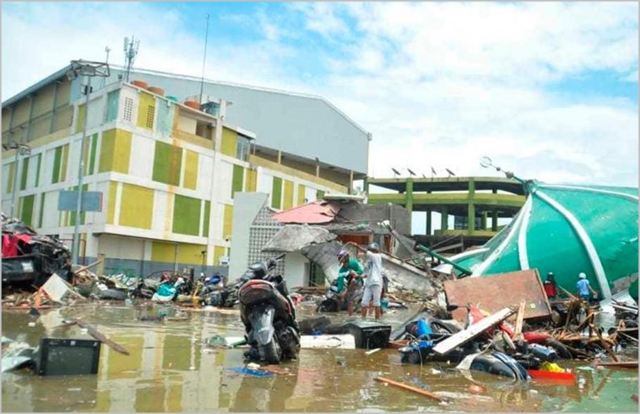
(474, 330)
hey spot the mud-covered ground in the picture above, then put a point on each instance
(171, 369)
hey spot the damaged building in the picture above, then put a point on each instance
(311, 236)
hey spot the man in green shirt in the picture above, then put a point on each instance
(348, 278)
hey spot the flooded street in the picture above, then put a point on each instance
(171, 369)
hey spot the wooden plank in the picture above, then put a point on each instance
(409, 387)
(621, 364)
(491, 292)
(83, 268)
(519, 321)
(100, 337)
(474, 330)
(604, 343)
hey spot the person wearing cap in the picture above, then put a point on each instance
(584, 288)
(373, 280)
(550, 287)
(348, 277)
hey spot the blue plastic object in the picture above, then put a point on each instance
(423, 328)
(250, 372)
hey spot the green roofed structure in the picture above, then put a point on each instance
(568, 229)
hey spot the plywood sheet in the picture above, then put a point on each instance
(495, 292)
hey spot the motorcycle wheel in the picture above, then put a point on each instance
(271, 352)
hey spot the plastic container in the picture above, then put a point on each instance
(384, 304)
(172, 98)
(156, 90)
(192, 104)
(543, 353)
(140, 84)
(423, 328)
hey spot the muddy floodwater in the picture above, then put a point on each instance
(170, 368)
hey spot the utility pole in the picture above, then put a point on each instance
(88, 70)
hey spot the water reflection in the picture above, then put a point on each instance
(169, 370)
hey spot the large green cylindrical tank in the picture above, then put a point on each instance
(568, 229)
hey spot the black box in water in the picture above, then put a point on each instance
(369, 335)
(67, 357)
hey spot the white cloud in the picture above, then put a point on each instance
(437, 84)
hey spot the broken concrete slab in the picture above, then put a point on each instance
(292, 238)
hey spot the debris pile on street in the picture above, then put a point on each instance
(29, 258)
(533, 344)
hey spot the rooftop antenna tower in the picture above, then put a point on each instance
(107, 50)
(130, 52)
(204, 59)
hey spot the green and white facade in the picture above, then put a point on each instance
(168, 174)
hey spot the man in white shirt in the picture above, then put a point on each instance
(373, 280)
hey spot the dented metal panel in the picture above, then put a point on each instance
(495, 292)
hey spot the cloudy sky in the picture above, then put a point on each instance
(549, 90)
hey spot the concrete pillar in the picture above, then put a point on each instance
(350, 181)
(444, 220)
(30, 124)
(429, 221)
(365, 185)
(494, 220)
(408, 197)
(279, 157)
(471, 209)
(53, 109)
(484, 220)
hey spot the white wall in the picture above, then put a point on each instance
(245, 209)
(265, 183)
(205, 173)
(295, 273)
(115, 247)
(141, 160)
(224, 172)
(187, 124)
(51, 215)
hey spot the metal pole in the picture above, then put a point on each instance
(76, 229)
(14, 200)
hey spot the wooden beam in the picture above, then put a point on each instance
(519, 321)
(621, 364)
(409, 387)
(474, 330)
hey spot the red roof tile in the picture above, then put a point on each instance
(313, 213)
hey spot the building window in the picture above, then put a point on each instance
(242, 148)
(151, 113)
(128, 110)
(112, 106)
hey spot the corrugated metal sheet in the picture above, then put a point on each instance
(496, 292)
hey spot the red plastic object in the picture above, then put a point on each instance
(566, 376)
(536, 337)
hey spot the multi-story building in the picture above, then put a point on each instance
(167, 172)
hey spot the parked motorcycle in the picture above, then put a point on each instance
(333, 302)
(268, 314)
